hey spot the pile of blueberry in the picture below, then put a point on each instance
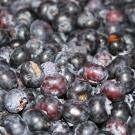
(67, 67)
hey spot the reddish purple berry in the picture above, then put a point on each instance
(56, 85)
(113, 90)
(95, 73)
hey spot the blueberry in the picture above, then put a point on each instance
(19, 55)
(116, 45)
(31, 74)
(60, 128)
(126, 78)
(113, 90)
(25, 16)
(68, 75)
(64, 23)
(51, 106)
(48, 10)
(115, 64)
(71, 8)
(8, 79)
(95, 73)
(15, 100)
(99, 113)
(48, 54)
(86, 128)
(40, 29)
(15, 125)
(75, 112)
(77, 60)
(20, 31)
(67, 67)
(87, 20)
(116, 126)
(54, 84)
(80, 91)
(121, 110)
(35, 48)
(36, 120)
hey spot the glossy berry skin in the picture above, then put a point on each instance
(86, 128)
(25, 16)
(77, 60)
(115, 64)
(113, 90)
(87, 20)
(86, 39)
(68, 75)
(48, 54)
(95, 73)
(116, 126)
(17, 6)
(35, 48)
(64, 23)
(60, 128)
(36, 120)
(40, 29)
(31, 74)
(124, 69)
(121, 111)
(94, 5)
(116, 44)
(51, 106)
(126, 78)
(56, 85)
(80, 91)
(20, 31)
(15, 125)
(70, 7)
(8, 79)
(99, 111)
(19, 56)
(75, 111)
(48, 10)
(15, 100)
